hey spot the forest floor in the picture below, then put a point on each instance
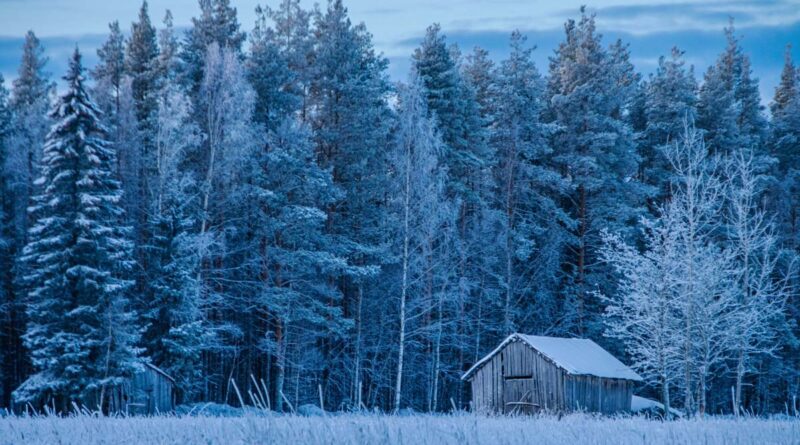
(378, 429)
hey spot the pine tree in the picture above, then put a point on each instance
(456, 110)
(217, 24)
(269, 73)
(81, 333)
(295, 257)
(784, 144)
(729, 106)
(527, 190)
(109, 73)
(142, 68)
(670, 101)
(350, 120)
(452, 101)
(589, 90)
(167, 65)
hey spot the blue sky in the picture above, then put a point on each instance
(651, 27)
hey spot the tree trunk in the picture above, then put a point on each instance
(403, 286)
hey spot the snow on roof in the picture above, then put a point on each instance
(576, 356)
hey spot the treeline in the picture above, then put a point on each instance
(269, 207)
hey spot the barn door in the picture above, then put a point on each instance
(518, 395)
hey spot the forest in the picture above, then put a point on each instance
(251, 207)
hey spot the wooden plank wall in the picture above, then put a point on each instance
(148, 392)
(539, 381)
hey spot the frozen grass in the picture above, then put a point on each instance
(363, 429)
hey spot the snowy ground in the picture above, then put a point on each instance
(358, 429)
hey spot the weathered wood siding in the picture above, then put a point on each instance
(519, 373)
(597, 394)
(147, 392)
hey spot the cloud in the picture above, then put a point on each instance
(646, 19)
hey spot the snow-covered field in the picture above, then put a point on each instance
(363, 429)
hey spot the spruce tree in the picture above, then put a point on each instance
(80, 333)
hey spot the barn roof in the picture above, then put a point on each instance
(159, 371)
(576, 356)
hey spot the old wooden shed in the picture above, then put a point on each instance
(528, 373)
(149, 391)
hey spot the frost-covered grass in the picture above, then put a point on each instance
(362, 429)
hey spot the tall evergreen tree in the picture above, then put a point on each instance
(350, 120)
(81, 333)
(269, 73)
(589, 89)
(452, 101)
(729, 108)
(527, 191)
(784, 144)
(7, 356)
(141, 64)
(176, 333)
(30, 96)
(109, 73)
(217, 24)
(670, 101)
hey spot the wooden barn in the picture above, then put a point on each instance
(528, 373)
(150, 391)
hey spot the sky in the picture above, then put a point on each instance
(651, 28)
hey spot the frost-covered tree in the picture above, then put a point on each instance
(30, 98)
(217, 24)
(644, 313)
(141, 66)
(112, 92)
(761, 287)
(589, 90)
(109, 74)
(175, 333)
(707, 288)
(425, 220)
(729, 107)
(270, 75)
(81, 332)
(453, 103)
(527, 188)
(677, 309)
(350, 119)
(294, 258)
(7, 356)
(670, 100)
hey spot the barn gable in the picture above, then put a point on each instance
(530, 373)
(576, 356)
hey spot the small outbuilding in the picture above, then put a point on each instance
(528, 373)
(150, 391)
